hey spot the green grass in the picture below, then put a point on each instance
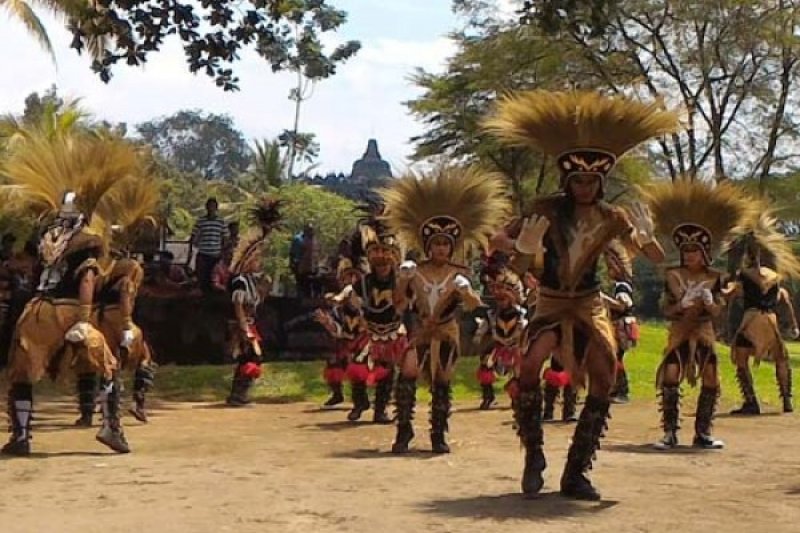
(289, 382)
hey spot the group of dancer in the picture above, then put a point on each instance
(396, 321)
(544, 281)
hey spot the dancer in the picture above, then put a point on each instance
(620, 305)
(249, 286)
(760, 259)
(698, 217)
(505, 325)
(562, 238)
(440, 214)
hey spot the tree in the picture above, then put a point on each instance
(730, 64)
(286, 33)
(454, 103)
(194, 142)
(267, 168)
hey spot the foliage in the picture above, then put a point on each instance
(267, 168)
(195, 142)
(333, 217)
(286, 33)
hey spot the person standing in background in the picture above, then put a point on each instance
(209, 236)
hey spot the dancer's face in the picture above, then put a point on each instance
(440, 250)
(693, 258)
(584, 188)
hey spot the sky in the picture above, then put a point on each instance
(363, 100)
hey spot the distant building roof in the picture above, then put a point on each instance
(371, 166)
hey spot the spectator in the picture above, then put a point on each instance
(303, 260)
(221, 274)
(210, 236)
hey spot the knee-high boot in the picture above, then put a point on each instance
(528, 415)
(570, 405)
(111, 433)
(440, 413)
(383, 395)
(585, 441)
(706, 405)
(785, 386)
(405, 397)
(745, 380)
(360, 400)
(550, 396)
(20, 413)
(143, 380)
(87, 390)
(670, 416)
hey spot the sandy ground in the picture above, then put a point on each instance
(202, 468)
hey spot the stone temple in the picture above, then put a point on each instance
(369, 172)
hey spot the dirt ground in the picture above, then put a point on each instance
(202, 468)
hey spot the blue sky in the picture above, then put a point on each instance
(363, 100)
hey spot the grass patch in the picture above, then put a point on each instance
(302, 381)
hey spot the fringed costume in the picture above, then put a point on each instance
(561, 239)
(74, 177)
(760, 258)
(132, 206)
(248, 287)
(620, 305)
(505, 326)
(344, 321)
(438, 214)
(698, 217)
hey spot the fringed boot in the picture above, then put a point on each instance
(585, 441)
(570, 404)
(360, 401)
(383, 395)
(20, 413)
(143, 381)
(706, 404)
(550, 396)
(111, 433)
(334, 376)
(405, 397)
(670, 413)
(488, 397)
(87, 391)
(621, 392)
(528, 417)
(440, 413)
(785, 386)
(750, 405)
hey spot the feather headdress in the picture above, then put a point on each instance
(696, 213)
(68, 175)
(760, 237)
(263, 218)
(586, 131)
(462, 205)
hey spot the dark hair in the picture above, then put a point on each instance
(212, 200)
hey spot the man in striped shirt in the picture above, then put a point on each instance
(209, 237)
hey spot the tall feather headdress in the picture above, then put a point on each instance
(696, 213)
(760, 237)
(463, 205)
(586, 131)
(42, 170)
(262, 218)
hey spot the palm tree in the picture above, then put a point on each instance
(267, 168)
(64, 9)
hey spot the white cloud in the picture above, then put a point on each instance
(363, 100)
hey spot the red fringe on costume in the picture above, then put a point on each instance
(378, 374)
(250, 370)
(557, 379)
(485, 376)
(388, 351)
(507, 355)
(333, 375)
(345, 348)
(357, 373)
